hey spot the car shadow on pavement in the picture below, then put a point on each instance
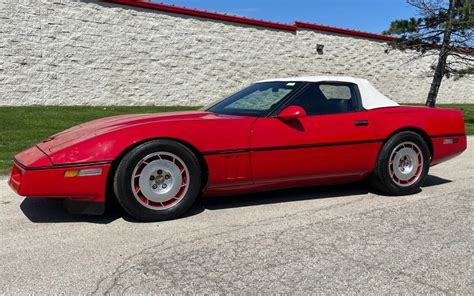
(284, 196)
(434, 181)
(300, 194)
(40, 210)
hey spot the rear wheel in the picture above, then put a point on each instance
(158, 180)
(402, 164)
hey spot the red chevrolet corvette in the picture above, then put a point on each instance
(273, 134)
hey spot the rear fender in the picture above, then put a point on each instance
(442, 128)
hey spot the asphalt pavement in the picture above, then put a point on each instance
(336, 239)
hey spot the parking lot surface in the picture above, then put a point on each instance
(324, 239)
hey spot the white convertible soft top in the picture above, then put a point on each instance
(370, 96)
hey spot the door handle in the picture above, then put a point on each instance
(361, 122)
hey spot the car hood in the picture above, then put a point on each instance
(97, 127)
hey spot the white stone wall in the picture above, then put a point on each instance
(67, 52)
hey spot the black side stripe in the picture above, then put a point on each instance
(60, 166)
(226, 151)
(312, 145)
(448, 135)
(290, 147)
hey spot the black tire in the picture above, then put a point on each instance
(137, 204)
(383, 177)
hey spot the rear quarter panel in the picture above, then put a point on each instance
(437, 125)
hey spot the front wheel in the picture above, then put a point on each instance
(158, 180)
(402, 164)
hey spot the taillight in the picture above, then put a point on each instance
(16, 170)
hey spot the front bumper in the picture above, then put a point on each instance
(50, 181)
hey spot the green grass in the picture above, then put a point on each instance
(22, 127)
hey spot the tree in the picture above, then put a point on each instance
(444, 28)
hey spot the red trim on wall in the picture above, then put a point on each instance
(344, 31)
(205, 14)
(466, 50)
(255, 22)
(248, 21)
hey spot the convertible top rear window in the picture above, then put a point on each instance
(255, 100)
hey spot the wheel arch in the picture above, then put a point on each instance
(417, 130)
(118, 159)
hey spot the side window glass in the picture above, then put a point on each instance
(328, 98)
(336, 92)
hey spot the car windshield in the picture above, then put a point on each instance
(255, 100)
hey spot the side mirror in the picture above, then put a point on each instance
(291, 113)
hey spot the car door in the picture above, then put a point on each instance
(335, 139)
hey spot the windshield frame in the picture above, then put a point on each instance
(298, 86)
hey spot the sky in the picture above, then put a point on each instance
(364, 15)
